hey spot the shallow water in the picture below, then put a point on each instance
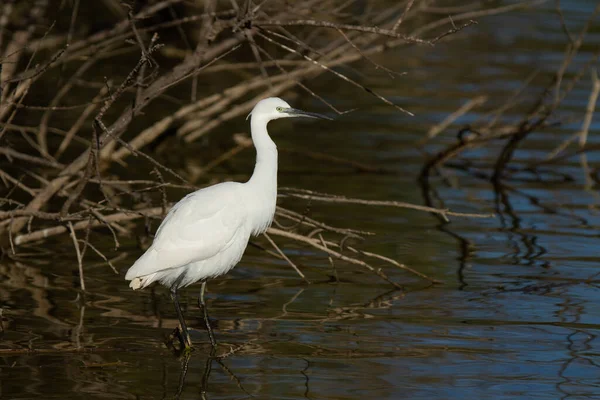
(516, 317)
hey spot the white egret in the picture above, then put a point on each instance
(205, 234)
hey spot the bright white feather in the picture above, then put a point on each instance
(201, 227)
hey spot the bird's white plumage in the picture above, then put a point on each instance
(204, 228)
(206, 233)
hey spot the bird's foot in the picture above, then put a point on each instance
(179, 340)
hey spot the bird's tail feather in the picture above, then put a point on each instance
(140, 282)
(142, 273)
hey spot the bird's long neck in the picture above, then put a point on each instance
(263, 182)
(265, 169)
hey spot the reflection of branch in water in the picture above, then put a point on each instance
(379, 302)
(505, 186)
(504, 208)
(293, 299)
(232, 375)
(579, 343)
(206, 374)
(339, 313)
(77, 331)
(466, 247)
(184, 370)
(303, 372)
(31, 279)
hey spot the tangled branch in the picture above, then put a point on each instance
(92, 186)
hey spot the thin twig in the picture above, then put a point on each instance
(282, 254)
(339, 75)
(359, 28)
(79, 257)
(306, 194)
(315, 243)
(403, 16)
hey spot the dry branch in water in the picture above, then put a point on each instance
(509, 126)
(98, 117)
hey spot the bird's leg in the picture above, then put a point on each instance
(187, 342)
(213, 342)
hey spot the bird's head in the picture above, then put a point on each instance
(275, 108)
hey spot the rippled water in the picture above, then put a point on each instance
(516, 317)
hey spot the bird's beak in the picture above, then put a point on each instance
(293, 112)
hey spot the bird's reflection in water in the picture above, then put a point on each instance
(185, 363)
(213, 356)
(208, 365)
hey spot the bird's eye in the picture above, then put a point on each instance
(279, 109)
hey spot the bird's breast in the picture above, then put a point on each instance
(261, 211)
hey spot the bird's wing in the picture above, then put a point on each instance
(198, 227)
